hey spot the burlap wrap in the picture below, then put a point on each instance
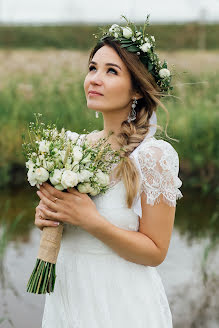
(50, 243)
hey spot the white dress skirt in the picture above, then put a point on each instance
(95, 287)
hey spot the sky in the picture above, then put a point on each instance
(96, 11)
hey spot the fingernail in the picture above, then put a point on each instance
(56, 223)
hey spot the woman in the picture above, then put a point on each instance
(112, 243)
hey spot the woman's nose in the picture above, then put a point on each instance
(96, 79)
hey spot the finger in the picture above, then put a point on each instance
(49, 203)
(47, 214)
(75, 192)
(53, 191)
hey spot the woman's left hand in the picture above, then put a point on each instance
(71, 207)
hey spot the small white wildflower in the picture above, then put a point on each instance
(145, 47)
(133, 39)
(153, 38)
(138, 33)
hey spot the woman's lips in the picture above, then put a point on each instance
(93, 93)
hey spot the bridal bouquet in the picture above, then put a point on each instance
(64, 160)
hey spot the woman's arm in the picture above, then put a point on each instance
(149, 245)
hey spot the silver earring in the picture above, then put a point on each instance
(97, 115)
(132, 116)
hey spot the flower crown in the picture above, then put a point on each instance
(143, 45)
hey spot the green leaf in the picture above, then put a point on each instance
(132, 49)
(150, 66)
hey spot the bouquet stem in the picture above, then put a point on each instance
(42, 279)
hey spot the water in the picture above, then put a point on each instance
(193, 303)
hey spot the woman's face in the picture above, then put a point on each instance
(108, 76)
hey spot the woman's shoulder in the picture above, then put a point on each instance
(158, 153)
(159, 146)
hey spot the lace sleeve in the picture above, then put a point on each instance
(159, 164)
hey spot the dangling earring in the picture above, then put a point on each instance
(132, 116)
(97, 115)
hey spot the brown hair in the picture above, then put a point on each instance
(134, 132)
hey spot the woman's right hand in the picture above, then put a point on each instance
(40, 221)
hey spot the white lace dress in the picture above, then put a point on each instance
(95, 287)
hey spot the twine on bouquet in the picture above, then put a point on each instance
(43, 277)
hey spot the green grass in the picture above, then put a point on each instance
(168, 36)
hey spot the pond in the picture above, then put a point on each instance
(193, 303)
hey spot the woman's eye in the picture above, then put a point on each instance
(110, 69)
(113, 70)
(91, 68)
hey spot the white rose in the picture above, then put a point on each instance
(77, 153)
(59, 186)
(85, 188)
(41, 174)
(86, 159)
(144, 47)
(127, 32)
(94, 192)
(31, 177)
(164, 72)
(102, 178)
(44, 146)
(69, 179)
(72, 135)
(56, 178)
(85, 175)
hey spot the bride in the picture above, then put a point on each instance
(112, 242)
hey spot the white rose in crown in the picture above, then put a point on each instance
(85, 188)
(85, 175)
(127, 32)
(145, 46)
(164, 72)
(77, 153)
(69, 179)
(102, 178)
(72, 135)
(56, 178)
(44, 146)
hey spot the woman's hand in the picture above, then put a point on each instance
(71, 207)
(40, 221)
